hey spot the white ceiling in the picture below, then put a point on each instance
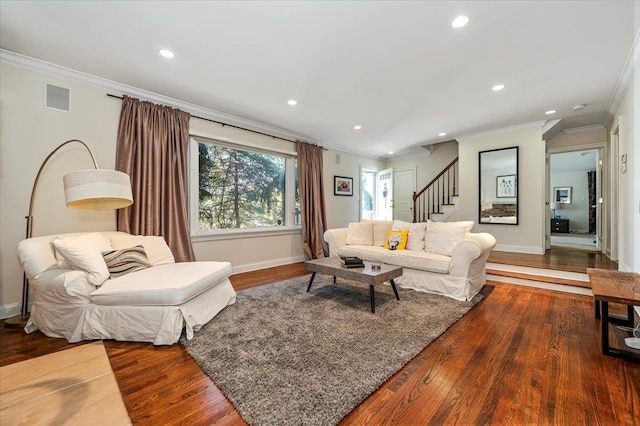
(397, 68)
(577, 161)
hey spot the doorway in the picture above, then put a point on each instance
(575, 195)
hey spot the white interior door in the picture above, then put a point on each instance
(404, 182)
(384, 190)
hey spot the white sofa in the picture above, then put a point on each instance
(440, 257)
(74, 299)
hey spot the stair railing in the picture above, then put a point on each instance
(437, 193)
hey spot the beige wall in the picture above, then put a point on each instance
(28, 132)
(528, 235)
(567, 140)
(343, 209)
(427, 166)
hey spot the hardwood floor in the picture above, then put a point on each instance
(557, 259)
(522, 356)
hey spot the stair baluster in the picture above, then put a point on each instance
(431, 198)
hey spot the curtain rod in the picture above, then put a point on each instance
(225, 124)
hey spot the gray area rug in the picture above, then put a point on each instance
(287, 357)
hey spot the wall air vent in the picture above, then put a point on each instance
(56, 98)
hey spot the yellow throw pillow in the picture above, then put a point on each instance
(396, 240)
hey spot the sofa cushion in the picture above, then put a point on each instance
(84, 253)
(368, 253)
(421, 260)
(380, 229)
(360, 233)
(442, 237)
(396, 240)
(124, 261)
(158, 252)
(164, 285)
(416, 233)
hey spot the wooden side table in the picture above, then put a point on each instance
(615, 287)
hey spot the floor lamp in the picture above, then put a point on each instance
(92, 189)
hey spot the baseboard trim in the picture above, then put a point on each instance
(10, 310)
(237, 269)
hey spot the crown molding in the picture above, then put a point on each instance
(120, 89)
(585, 129)
(510, 129)
(624, 81)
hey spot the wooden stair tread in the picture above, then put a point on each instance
(541, 278)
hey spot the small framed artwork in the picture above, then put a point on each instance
(342, 185)
(506, 186)
(562, 194)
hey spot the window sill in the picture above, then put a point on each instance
(234, 234)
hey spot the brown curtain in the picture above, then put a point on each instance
(152, 148)
(313, 212)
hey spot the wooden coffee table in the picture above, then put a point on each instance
(366, 275)
(615, 287)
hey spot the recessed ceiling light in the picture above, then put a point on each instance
(442, 134)
(577, 107)
(551, 111)
(357, 127)
(166, 53)
(390, 152)
(460, 21)
(292, 102)
(497, 87)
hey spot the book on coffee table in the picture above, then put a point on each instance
(351, 262)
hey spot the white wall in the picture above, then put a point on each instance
(28, 132)
(628, 216)
(577, 212)
(528, 235)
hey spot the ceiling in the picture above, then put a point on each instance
(397, 68)
(575, 161)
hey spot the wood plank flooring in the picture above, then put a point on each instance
(556, 259)
(522, 356)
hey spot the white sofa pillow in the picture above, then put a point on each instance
(360, 233)
(442, 237)
(416, 233)
(380, 230)
(158, 252)
(85, 253)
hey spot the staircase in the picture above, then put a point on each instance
(438, 200)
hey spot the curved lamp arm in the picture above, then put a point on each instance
(35, 183)
(92, 189)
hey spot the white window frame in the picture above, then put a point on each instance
(198, 234)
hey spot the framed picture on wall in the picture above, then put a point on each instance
(562, 194)
(506, 186)
(342, 185)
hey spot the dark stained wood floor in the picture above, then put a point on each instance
(522, 356)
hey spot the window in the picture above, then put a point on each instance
(242, 189)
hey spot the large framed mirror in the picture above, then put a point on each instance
(498, 186)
